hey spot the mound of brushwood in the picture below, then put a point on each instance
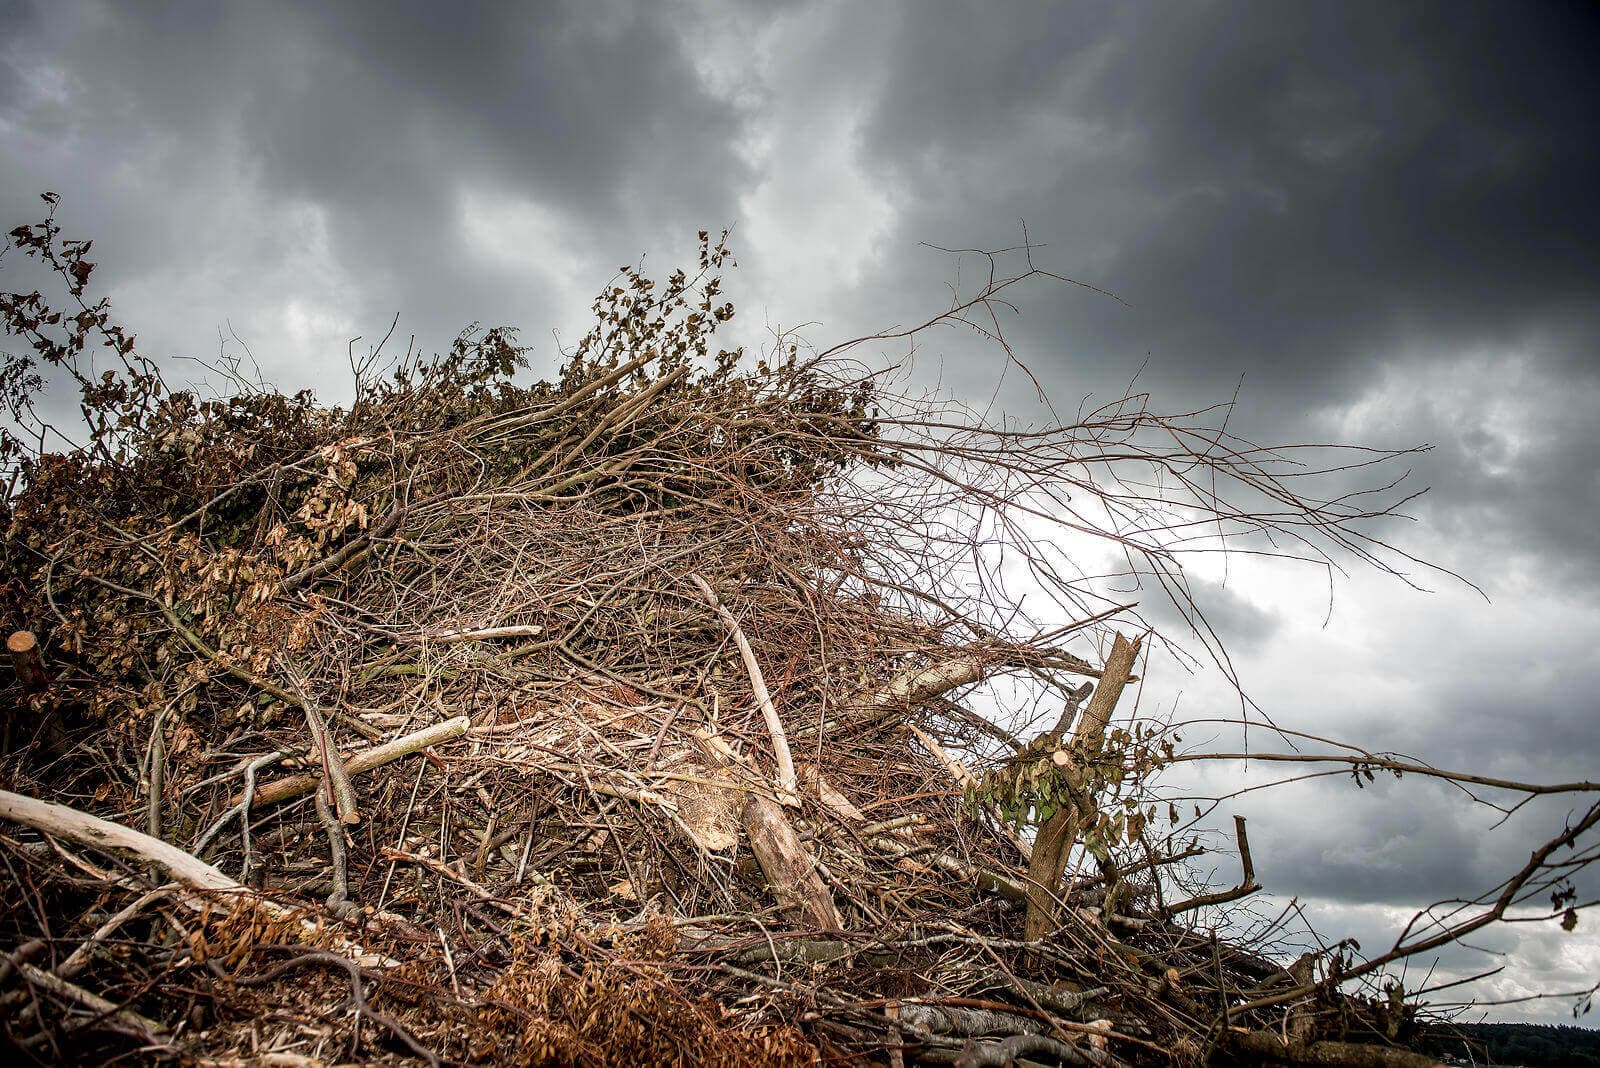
(620, 719)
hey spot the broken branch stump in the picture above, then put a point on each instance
(1053, 846)
(784, 860)
(24, 650)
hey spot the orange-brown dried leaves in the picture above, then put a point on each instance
(617, 1011)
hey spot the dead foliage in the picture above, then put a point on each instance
(693, 633)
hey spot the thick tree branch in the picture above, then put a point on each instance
(364, 761)
(788, 785)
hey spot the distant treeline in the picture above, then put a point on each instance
(1531, 1045)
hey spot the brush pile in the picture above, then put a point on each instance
(621, 719)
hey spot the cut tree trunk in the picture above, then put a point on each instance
(24, 650)
(358, 763)
(1053, 846)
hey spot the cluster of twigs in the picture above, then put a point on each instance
(617, 719)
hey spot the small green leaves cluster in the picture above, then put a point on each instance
(677, 324)
(1105, 786)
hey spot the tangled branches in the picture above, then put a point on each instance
(643, 681)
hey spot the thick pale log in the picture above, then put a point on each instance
(783, 858)
(951, 1020)
(60, 821)
(923, 684)
(918, 685)
(24, 650)
(69, 823)
(483, 634)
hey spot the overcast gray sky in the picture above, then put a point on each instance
(1380, 215)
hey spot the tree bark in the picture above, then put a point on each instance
(788, 867)
(1053, 846)
(24, 650)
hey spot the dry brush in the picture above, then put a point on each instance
(620, 718)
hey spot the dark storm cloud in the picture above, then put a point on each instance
(1398, 844)
(16, 18)
(1278, 190)
(1453, 683)
(1517, 461)
(1514, 700)
(1525, 717)
(1236, 621)
(594, 108)
(1407, 842)
(382, 117)
(1306, 195)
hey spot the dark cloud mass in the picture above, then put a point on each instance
(1222, 610)
(381, 118)
(1290, 191)
(1381, 216)
(1323, 199)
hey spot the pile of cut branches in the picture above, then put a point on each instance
(619, 719)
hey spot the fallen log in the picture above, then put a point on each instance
(63, 822)
(783, 858)
(789, 869)
(60, 821)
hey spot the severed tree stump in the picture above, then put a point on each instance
(25, 657)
